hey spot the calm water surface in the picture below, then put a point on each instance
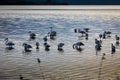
(55, 65)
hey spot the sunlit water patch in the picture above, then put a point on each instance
(68, 65)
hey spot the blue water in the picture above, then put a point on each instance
(67, 65)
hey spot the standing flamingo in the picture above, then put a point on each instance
(60, 45)
(113, 49)
(32, 35)
(78, 45)
(117, 39)
(9, 44)
(27, 47)
(52, 34)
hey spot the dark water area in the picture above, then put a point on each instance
(68, 65)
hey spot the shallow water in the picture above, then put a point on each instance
(55, 65)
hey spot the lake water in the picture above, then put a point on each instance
(68, 65)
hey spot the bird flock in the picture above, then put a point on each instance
(52, 34)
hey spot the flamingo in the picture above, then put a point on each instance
(86, 29)
(108, 33)
(98, 47)
(32, 35)
(117, 39)
(37, 45)
(47, 46)
(52, 33)
(9, 44)
(27, 47)
(78, 45)
(86, 36)
(98, 44)
(45, 39)
(98, 41)
(60, 45)
(113, 48)
(82, 32)
(100, 36)
(104, 35)
(75, 30)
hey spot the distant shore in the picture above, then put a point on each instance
(60, 7)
